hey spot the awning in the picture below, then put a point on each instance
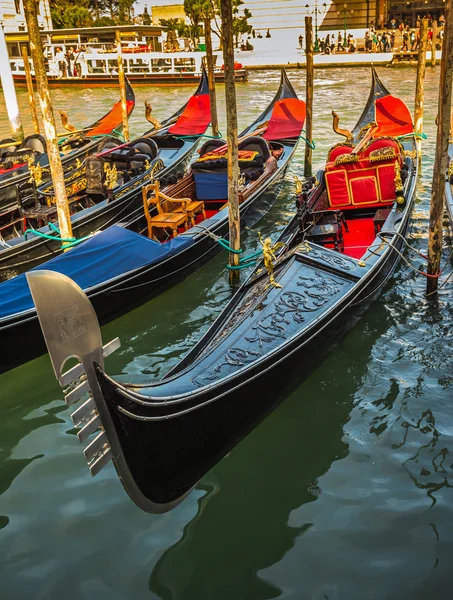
(287, 119)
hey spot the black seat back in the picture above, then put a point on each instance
(95, 176)
(26, 197)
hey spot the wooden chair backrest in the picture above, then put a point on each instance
(163, 203)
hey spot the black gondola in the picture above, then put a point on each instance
(125, 267)
(163, 437)
(162, 153)
(14, 167)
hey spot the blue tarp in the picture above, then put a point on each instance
(102, 257)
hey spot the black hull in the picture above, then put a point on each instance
(113, 299)
(197, 440)
(9, 181)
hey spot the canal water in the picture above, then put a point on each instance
(343, 493)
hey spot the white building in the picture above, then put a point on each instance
(13, 19)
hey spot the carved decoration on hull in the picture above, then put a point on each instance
(312, 290)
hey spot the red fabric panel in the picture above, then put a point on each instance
(337, 188)
(195, 117)
(338, 151)
(2, 171)
(111, 120)
(360, 236)
(392, 117)
(287, 119)
(386, 180)
(364, 188)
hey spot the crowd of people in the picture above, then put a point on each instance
(71, 63)
(388, 40)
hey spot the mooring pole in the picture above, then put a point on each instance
(9, 91)
(433, 44)
(309, 96)
(211, 77)
(232, 137)
(441, 156)
(31, 93)
(420, 79)
(48, 119)
(122, 82)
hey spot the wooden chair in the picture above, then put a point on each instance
(167, 217)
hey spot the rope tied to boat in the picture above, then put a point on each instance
(65, 242)
(422, 136)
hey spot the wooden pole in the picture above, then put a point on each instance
(31, 94)
(433, 44)
(50, 131)
(232, 136)
(309, 96)
(420, 85)
(211, 78)
(122, 82)
(441, 157)
(9, 91)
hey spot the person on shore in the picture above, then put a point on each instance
(412, 40)
(332, 44)
(340, 40)
(405, 47)
(322, 45)
(442, 20)
(301, 41)
(392, 41)
(393, 23)
(268, 34)
(328, 42)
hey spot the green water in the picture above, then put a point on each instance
(343, 493)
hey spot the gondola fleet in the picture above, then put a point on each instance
(152, 215)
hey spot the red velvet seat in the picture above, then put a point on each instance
(368, 180)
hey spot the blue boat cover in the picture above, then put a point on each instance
(210, 185)
(106, 255)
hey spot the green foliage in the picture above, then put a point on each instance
(66, 14)
(86, 13)
(198, 10)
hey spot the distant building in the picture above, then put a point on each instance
(171, 11)
(13, 19)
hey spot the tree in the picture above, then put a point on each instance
(175, 28)
(65, 14)
(198, 10)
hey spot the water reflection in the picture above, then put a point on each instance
(245, 522)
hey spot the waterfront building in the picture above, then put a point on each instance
(12, 15)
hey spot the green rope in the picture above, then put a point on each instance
(423, 136)
(47, 236)
(225, 245)
(66, 242)
(311, 144)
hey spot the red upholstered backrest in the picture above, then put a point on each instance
(287, 119)
(338, 151)
(195, 117)
(363, 182)
(382, 143)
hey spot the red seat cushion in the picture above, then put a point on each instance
(364, 189)
(337, 188)
(338, 151)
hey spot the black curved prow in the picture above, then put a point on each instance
(203, 88)
(285, 90)
(378, 90)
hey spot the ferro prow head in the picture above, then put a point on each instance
(71, 331)
(344, 132)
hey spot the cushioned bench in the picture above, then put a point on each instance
(365, 179)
